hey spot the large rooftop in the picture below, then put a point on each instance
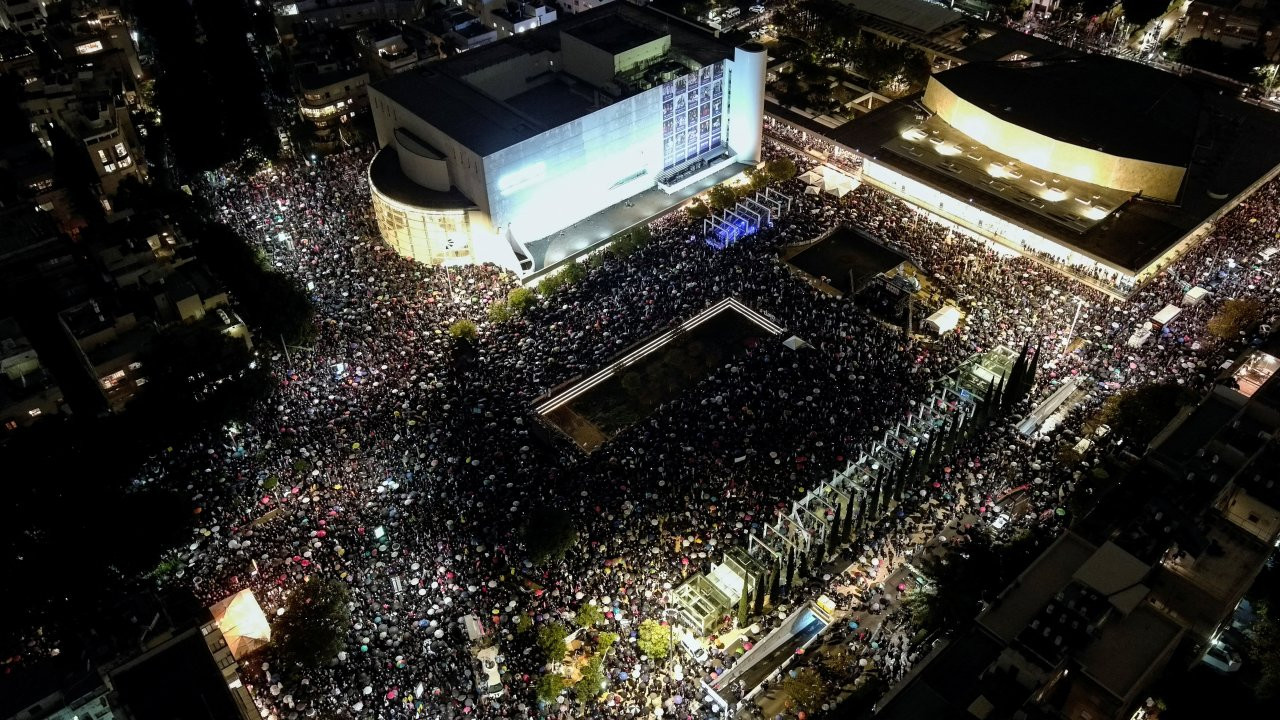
(614, 34)
(1115, 106)
(441, 94)
(1235, 146)
(459, 110)
(390, 180)
(917, 15)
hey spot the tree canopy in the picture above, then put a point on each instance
(463, 330)
(1141, 12)
(654, 639)
(805, 691)
(1139, 413)
(271, 302)
(548, 534)
(311, 630)
(1264, 649)
(551, 641)
(1234, 317)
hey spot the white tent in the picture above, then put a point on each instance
(242, 623)
(812, 190)
(1139, 337)
(836, 182)
(1166, 315)
(794, 343)
(810, 177)
(1194, 296)
(944, 320)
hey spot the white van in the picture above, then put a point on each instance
(694, 647)
(488, 678)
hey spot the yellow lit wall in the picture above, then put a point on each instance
(1152, 180)
(434, 237)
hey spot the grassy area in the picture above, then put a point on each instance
(631, 394)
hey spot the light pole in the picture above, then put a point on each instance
(1071, 333)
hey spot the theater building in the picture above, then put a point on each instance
(1109, 168)
(513, 142)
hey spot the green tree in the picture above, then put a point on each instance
(551, 641)
(1017, 8)
(592, 681)
(1236, 316)
(721, 197)
(548, 534)
(500, 312)
(742, 604)
(806, 691)
(464, 331)
(605, 642)
(1264, 650)
(588, 616)
(550, 284)
(780, 169)
(1139, 413)
(524, 623)
(311, 630)
(573, 273)
(550, 686)
(520, 299)
(958, 581)
(654, 639)
(270, 302)
(698, 210)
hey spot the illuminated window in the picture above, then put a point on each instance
(121, 150)
(135, 366)
(35, 412)
(102, 155)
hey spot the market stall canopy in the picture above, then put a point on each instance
(944, 320)
(242, 623)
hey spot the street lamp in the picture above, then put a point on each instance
(1071, 333)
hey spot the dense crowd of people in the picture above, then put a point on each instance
(390, 460)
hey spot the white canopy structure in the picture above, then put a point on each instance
(944, 320)
(836, 182)
(1166, 315)
(1194, 296)
(1139, 337)
(242, 623)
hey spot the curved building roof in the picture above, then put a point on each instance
(388, 179)
(1114, 106)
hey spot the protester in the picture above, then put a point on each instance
(381, 424)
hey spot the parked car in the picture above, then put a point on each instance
(1221, 657)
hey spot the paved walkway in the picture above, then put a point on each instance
(645, 207)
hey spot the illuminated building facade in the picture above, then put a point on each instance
(515, 141)
(331, 98)
(1107, 168)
